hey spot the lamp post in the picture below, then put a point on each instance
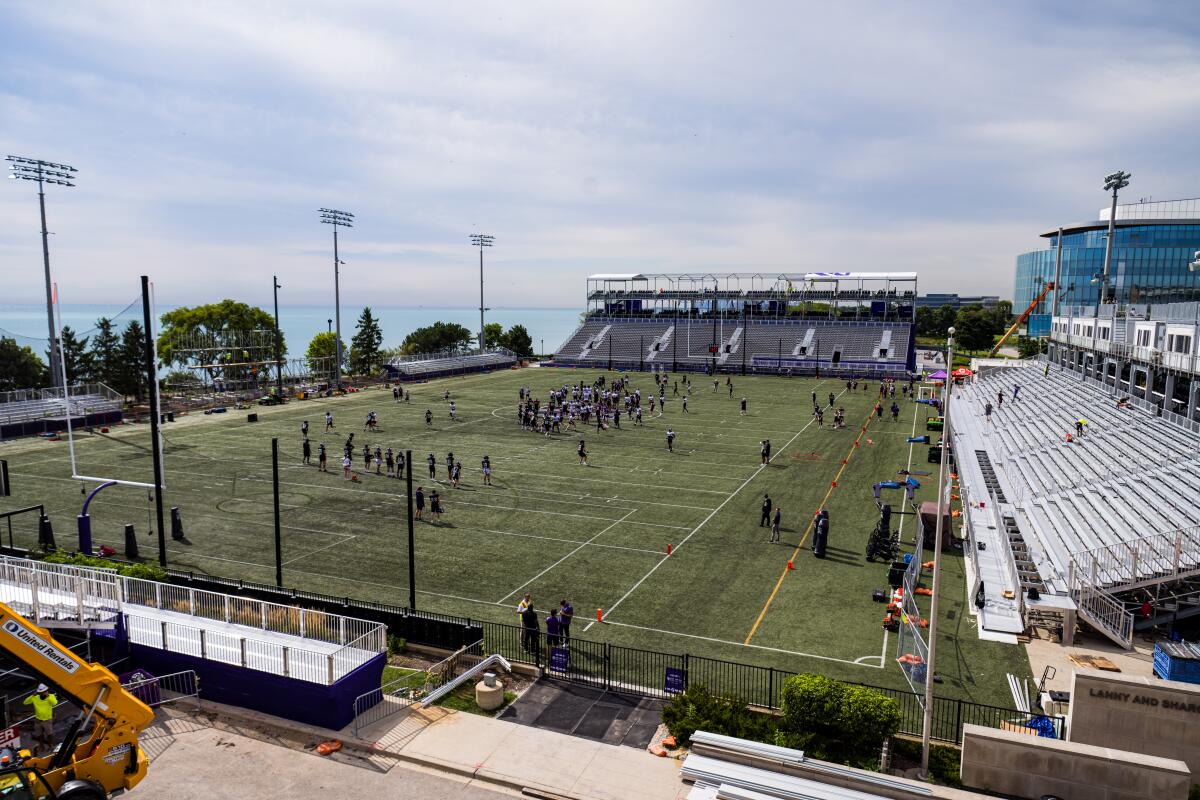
(481, 240)
(943, 510)
(278, 342)
(338, 219)
(34, 169)
(1114, 183)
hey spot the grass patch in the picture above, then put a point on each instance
(595, 535)
(463, 699)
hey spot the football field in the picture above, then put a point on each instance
(596, 535)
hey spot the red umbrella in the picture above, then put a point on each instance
(962, 372)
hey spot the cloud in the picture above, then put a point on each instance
(936, 137)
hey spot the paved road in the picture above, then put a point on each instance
(202, 763)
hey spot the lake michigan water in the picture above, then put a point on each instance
(27, 323)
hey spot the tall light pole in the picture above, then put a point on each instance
(1114, 183)
(338, 219)
(943, 511)
(481, 240)
(34, 169)
(278, 343)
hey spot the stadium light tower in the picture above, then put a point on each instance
(481, 240)
(1113, 183)
(34, 169)
(338, 219)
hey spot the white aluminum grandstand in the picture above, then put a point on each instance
(449, 362)
(26, 412)
(853, 323)
(1097, 523)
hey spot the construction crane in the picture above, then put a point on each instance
(1024, 316)
(99, 755)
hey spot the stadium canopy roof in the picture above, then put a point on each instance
(617, 276)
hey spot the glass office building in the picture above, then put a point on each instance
(1152, 248)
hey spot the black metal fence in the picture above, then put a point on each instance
(615, 668)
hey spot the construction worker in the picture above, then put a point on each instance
(43, 719)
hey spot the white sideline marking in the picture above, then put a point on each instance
(856, 662)
(712, 514)
(564, 558)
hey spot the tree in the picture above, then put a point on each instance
(131, 372)
(973, 330)
(228, 315)
(364, 347)
(20, 367)
(927, 319)
(105, 354)
(75, 356)
(1030, 346)
(439, 336)
(493, 334)
(518, 340)
(1002, 316)
(945, 318)
(322, 350)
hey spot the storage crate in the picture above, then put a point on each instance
(1177, 661)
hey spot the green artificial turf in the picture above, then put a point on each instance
(595, 535)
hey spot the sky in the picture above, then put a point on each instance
(936, 137)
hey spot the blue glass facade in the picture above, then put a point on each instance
(1149, 265)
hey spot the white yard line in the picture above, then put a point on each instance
(564, 558)
(855, 662)
(704, 522)
(321, 549)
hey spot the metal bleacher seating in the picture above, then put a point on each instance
(430, 367)
(31, 411)
(1104, 512)
(765, 345)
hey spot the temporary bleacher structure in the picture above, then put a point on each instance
(1096, 523)
(299, 663)
(765, 346)
(27, 412)
(432, 366)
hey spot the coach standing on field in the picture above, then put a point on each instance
(767, 505)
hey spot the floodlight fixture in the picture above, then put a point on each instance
(35, 169)
(338, 219)
(481, 240)
(1113, 182)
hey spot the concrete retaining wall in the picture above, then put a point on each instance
(1146, 715)
(1017, 765)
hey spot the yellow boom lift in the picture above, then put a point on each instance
(99, 756)
(1024, 316)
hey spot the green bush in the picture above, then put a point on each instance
(699, 709)
(834, 721)
(944, 759)
(396, 645)
(147, 572)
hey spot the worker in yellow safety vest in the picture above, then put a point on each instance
(43, 719)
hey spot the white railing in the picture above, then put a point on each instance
(357, 640)
(1105, 612)
(397, 695)
(289, 620)
(52, 594)
(1171, 555)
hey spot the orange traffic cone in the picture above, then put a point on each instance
(790, 565)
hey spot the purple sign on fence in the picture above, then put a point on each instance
(675, 680)
(560, 659)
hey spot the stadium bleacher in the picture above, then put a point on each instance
(767, 345)
(1089, 517)
(432, 366)
(29, 412)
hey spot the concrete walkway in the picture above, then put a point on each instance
(467, 749)
(519, 757)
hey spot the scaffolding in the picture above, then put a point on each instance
(242, 363)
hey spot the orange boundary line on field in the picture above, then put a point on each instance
(833, 484)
